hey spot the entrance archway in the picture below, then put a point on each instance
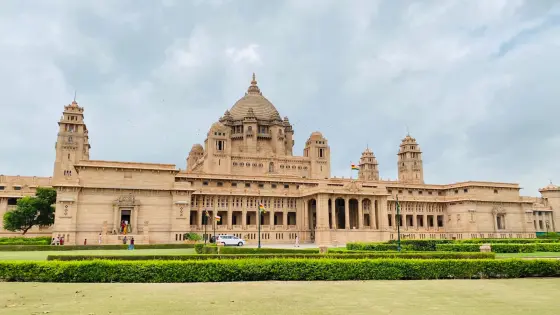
(312, 216)
(353, 211)
(339, 208)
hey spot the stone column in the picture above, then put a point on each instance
(271, 214)
(361, 214)
(383, 213)
(200, 211)
(244, 212)
(425, 219)
(230, 213)
(347, 213)
(135, 226)
(285, 219)
(333, 213)
(116, 223)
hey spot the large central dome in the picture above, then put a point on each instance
(253, 99)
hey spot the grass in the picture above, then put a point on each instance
(463, 297)
(530, 255)
(42, 255)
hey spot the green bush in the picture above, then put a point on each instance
(191, 236)
(42, 240)
(253, 251)
(422, 245)
(103, 271)
(506, 241)
(12, 248)
(378, 247)
(496, 248)
(206, 249)
(548, 247)
(347, 255)
(549, 235)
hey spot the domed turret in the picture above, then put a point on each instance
(369, 169)
(262, 108)
(410, 161)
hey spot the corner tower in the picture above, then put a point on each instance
(319, 153)
(410, 165)
(368, 166)
(72, 144)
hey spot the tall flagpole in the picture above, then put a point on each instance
(398, 224)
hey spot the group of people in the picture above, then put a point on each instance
(130, 242)
(59, 240)
(125, 227)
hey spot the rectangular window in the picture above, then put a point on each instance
(465, 190)
(261, 185)
(220, 184)
(286, 186)
(273, 185)
(233, 184)
(1, 187)
(247, 185)
(17, 187)
(205, 183)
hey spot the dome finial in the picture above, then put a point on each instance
(254, 89)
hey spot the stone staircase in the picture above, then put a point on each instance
(118, 239)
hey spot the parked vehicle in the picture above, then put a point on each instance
(230, 240)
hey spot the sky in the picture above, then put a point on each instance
(472, 81)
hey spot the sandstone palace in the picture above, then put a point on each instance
(247, 159)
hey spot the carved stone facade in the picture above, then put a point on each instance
(247, 159)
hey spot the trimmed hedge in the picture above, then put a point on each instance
(548, 247)
(507, 241)
(422, 245)
(103, 271)
(349, 255)
(41, 240)
(253, 251)
(378, 247)
(13, 248)
(496, 248)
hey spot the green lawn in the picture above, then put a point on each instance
(435, 297)
(530, 255)
(42, 255)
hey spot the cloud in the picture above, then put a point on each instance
(473, 81)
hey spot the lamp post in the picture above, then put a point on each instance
(398, 224)
(205, 221)
(214, 225)
(259, 227)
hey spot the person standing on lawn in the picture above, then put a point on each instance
(131, 245)
(297, 241)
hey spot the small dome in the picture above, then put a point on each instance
(262, 108)
(316, 135)
(197, 148)
(551, 186)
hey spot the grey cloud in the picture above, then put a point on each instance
(154, 76)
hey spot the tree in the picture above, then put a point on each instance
(32, 211)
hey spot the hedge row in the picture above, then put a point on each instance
(213, 249)
(421, 245)
(496, 248)
(87, 247)
(103, 271)
(376, 246)
(548, 247)
(42, 240)
(349, 255)
(507, 241)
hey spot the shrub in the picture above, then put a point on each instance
(348, 255)
(549, 235)
(497, 248)
(42, 240)
(206, 249)
(253, 251)
(548, 247)
(191, 236)
(506, 241)
(376, 246)
(422, 245)
(88, 247)
(103, 271)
